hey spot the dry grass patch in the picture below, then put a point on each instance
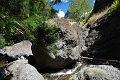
(98, 15)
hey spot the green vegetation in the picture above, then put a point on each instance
(45, 37)
(25, 19)
(78, 8)
(107, 10)
(55, 1)
(2, 41)
(116, 4)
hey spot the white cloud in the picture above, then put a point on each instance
(94, 1)
(61, 13)
(61, 0)
(64, 0)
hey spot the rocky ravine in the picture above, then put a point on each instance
(20, 69)
(99, 39)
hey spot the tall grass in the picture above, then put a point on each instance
(98, 15)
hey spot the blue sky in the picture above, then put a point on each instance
(63, 7)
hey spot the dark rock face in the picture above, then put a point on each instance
(2, 73)
(103, 40)
(101, 5)
(69, 45)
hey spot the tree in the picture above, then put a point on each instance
(23, 19)
(78, 7)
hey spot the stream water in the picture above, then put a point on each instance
(63, 74)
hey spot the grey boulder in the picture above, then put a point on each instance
(22, 48)
(21, 70)
(97, 72)
(69, 45)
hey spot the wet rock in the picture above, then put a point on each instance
(69, 45)
(97, 72)
(64, 74)
(2, 52)
(17, 50)
(21, 70)
(2, 73)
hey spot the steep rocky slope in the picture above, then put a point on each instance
(100, 5)
(104, 37)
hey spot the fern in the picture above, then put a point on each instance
(116, 4)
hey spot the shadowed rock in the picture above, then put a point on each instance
(100, 5)
(69, 45)
(2, 73)
(103, 40)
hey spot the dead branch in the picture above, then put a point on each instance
(108, 60)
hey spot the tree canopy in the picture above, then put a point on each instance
(78, 7)
(21, 19)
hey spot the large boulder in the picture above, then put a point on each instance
(21, 70)
(69, 45)
(97, 72)
(22, 48)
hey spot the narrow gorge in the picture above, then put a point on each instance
(86, 51)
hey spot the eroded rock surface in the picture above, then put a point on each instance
(22, 48)
(97, 72)
(69, 45)
(21, 70)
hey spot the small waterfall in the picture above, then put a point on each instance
(63, 73)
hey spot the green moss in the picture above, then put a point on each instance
(53, 49)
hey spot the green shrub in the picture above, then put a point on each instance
(116, 4)
(2, 41)
(22, 19)
(45, 37)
